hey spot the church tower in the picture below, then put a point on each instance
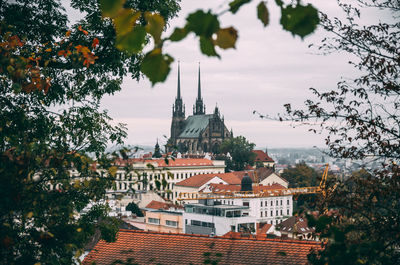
(178, 113)
(199, 108)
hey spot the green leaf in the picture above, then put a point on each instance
(262, 13)
(226, 38)
(300, 20)
(178, 34)
(207, 47)
(155, 25)
(236, 4)
(156, 66)
(110, 8)
(202, 24)
(125, 21)
(133, 41)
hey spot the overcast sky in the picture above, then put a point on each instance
(268, 68)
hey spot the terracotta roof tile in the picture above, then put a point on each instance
(143, 247)
(235, 188)
(262, 156)
(201, 179)
(161, 205)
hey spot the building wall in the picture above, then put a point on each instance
(261, 208)
(163, 218)
(222, 225)
(274, 178)
(134, 180)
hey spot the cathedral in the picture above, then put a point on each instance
(199, 132)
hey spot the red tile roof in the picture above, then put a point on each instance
(295, 224)
(234, 188)
(142, 247)
(200, 180)
(161, 205)
(262, 156)
(262, 173)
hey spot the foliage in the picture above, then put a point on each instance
(132, 25)
(134, 209)
(300, 175)
(52, 134)
(361, 118)
(240, 151)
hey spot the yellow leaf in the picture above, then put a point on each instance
(125, 21)
(226, 38)
(155, 25)
(29, 215)
(37, 263)
(112, 171)
(79, 230)
(77, 184)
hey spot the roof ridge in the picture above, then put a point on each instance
(224, 238)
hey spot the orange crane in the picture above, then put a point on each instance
(185, 196)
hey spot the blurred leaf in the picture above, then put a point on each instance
(125, 21)
(110, 8)
(300, 20)
(202, 24)
(236, 4)
(155, 25)
(156, 66)
(133, 41)
(262, 13)
(207, 47)
(178, 34)
(226, 38)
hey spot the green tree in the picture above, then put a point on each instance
(134, 209)
(52, 134)
(361, 117)
(300, 175)
(240, 151)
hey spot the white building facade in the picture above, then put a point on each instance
(217, 219)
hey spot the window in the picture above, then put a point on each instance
(232, 228)
(276, 212)
(171, 223)
(288, 202)
(154, 221)
(261, 214)
(261, 204)
(271, 203)
(266, 213)
(281, 202)
(287, 211)
(281, 212)
(246, 204)
(272, 213)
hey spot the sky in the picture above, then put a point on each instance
(268, 68)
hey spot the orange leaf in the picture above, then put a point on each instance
(95, 42)
(82, 30)
(48, 50)
(68, 33)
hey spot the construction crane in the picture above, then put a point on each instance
(188, 196)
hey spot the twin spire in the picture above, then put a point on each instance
(178, 109)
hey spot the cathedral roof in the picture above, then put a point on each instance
(195, 125)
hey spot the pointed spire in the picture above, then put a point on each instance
(199, 86)
(178, 108)
(179, 81)
(199, 108)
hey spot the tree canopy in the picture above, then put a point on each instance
(52, 134)
(300, 175)
(361, 118)
(240, 150)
